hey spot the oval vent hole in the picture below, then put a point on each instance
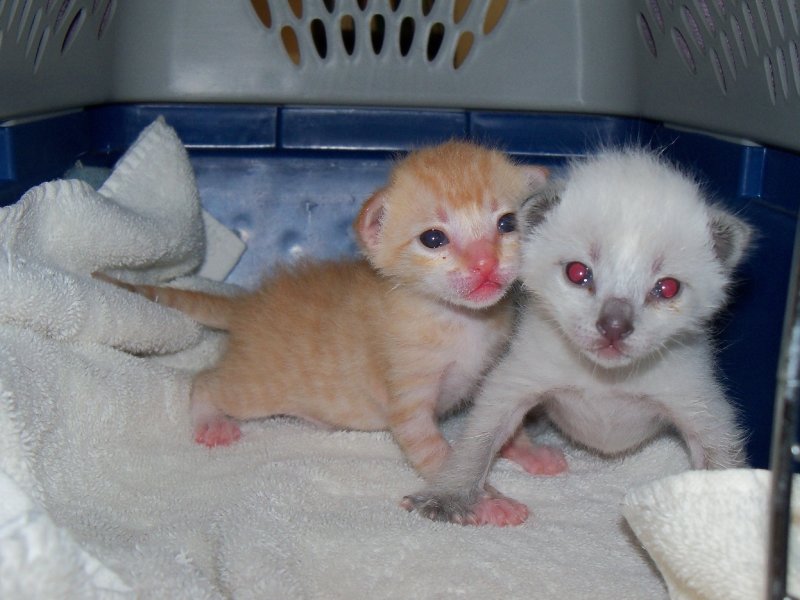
(362, 4)
(460, 8)
(297, 7)
(794, 58)
(348, 26)
(783, 74)
(750, 23)
(765, 25)
(493, 15)
(105, 20)
(727, 50)
(694, 28)
(61, 16)
(427, 7)
(72, 30)
(406, 35)
(770, 74)
(330, 5)
(655, 9)
(263, 12)
(377, 32)
(705, 12)
(463, 47)
(394, 5)
(319, 37)
(683, 49)
(716, 64)
(289, 40)
(647, 35)
(738, 36)
(435, 38)
(40, 48)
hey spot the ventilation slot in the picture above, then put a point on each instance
(435, 38)
(377, 32)
(23, 19)
(406, 35)
(776, 10)
(694, 29)
(762, 14)
(348, 27)
(655, 10)
(263, 12)
(40, 48)
(61, 17)
(34, 29)
(750, 23)
(738, 36)
(705, 12)
(647, 34)
(289, 39)
(463, 47)
(783, 75)
(727, 51)
(684, 50)
(460, 8)
(105, 20)
(319, 37)
(493, 15)
(770, 74)
(716, 65)
(72, 30)
(794, 58)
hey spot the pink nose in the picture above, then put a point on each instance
(480, 257)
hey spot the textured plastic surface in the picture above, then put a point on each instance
(289, 182)
(721, 65)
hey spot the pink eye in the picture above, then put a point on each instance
(666, 288)
(578, 273)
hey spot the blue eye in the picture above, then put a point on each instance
(433, 238)
(507, 223)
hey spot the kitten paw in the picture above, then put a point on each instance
(461, 510)
(499, 512)
(218, 432)
(536, 460)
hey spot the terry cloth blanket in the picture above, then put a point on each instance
(103, 493)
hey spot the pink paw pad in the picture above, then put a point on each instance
(499, 512)
(538, 460)
(219, 432)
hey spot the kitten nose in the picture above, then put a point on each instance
(480, 256)
(616, 319)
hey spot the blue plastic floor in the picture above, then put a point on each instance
(290, 180)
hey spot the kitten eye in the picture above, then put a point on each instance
(578, 273)
(433, 238)
(666, 288)
(507, 223)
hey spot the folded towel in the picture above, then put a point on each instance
(707, 532)
(105, 494)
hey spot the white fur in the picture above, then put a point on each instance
(633, 219)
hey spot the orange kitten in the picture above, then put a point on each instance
(392, 342)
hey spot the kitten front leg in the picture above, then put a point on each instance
(421, 440)
(459, 493)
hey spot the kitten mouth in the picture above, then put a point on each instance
(485, 291)
(611, 352)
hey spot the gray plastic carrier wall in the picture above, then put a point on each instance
(728, 66)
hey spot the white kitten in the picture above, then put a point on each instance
(626, 263)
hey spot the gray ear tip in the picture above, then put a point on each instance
(732, 237)
(536, 208)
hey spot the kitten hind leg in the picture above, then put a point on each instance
(211, 426)
(536, 459)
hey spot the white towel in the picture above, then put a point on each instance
(105, 494)
(707, 532)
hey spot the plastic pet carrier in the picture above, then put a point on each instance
(292, 111)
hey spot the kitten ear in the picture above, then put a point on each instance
(730, 235)
(536, 208)
(536, 177)
(369, 223)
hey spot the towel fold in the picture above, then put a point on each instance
(707, 532)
